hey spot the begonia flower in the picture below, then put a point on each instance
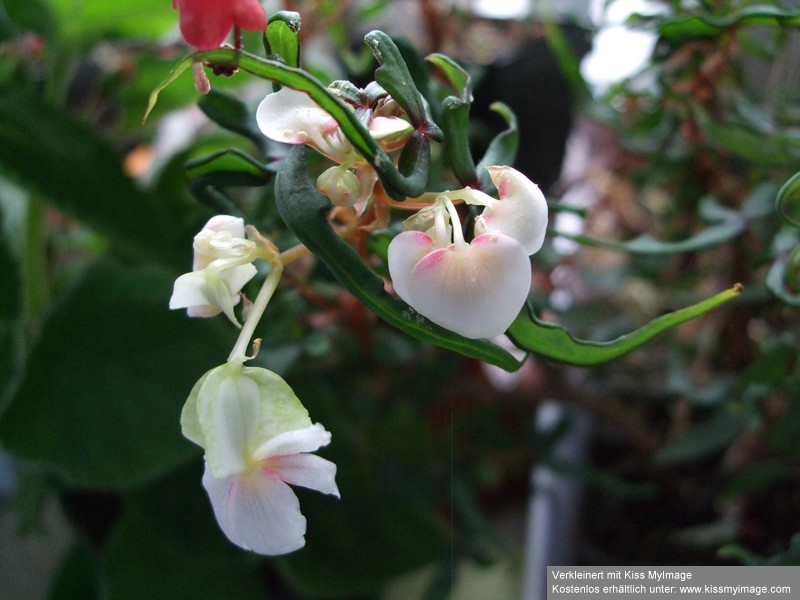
(475, 289)
(258, 440)
(292, 117)
(222, 266)
(206, 24)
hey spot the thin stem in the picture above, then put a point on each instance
(238, 354)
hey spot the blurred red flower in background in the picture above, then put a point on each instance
(206, 24)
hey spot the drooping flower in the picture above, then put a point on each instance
(478, 288)
(292, 117)
(222, 266)
(258, 440)
(206, 24)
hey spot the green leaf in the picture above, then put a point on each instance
(49, 152)
(10, 315)
(729, 224)
(554, 342)
(455, 120)
(779, 149)
(789, 557)
(167, 546)
(76, 578)
(681, 27)
(397, 184)
(502, 149)
(305, 212)
(101, 399)
(86, 20)
(703, 440)
(787, 202)
(783, 277)
(282, 38)
(234, 115)
(229, 167)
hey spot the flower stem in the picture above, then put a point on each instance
(238, 354)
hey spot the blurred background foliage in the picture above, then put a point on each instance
(679, 181)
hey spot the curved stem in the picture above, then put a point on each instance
(238, 354)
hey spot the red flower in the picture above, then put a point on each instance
(206, 23)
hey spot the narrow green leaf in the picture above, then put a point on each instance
(787, 202)
(678, 27)
(305, 212)
(455, 120)
(112, 369)
(394, 77)
(502, 149)
(234, 115)
(783, 277)
(729, 224)
(701, 441)
(554, 342)
(397, 184)
(231, 167)
(282, 37)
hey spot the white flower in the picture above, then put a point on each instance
(478, 288)
(257, 438)
(292, 117)
(222, 266)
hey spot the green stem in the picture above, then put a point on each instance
(238, 354)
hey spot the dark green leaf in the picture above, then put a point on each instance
(101, 399)
(503, 148)
(455, 120)
(554, 342)
(10, 316)
(703, 440)
(679, 27)
(779, 149)
(167, 546)
(76, 578)
(787, 202)
(232, 114)
(305, 211)
(62, 159)
(230, 167)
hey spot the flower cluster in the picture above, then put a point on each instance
(476, 288)
(222, 266)
(292, 117)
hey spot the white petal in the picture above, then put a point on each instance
(390, 131)
(239, 408)
(477, 290)
(188, 291)
(521, 212)
(257, 511)
(307, 439)
(293, 117)
(306, 470)
(405, 251)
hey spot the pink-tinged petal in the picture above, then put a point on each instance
(390, 132)
(306, 470)
(257, 512)
(405, 251)
(476, 290)
(307, 439)
(292, 117)
(521, 212)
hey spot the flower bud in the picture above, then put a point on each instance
(341, 185)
